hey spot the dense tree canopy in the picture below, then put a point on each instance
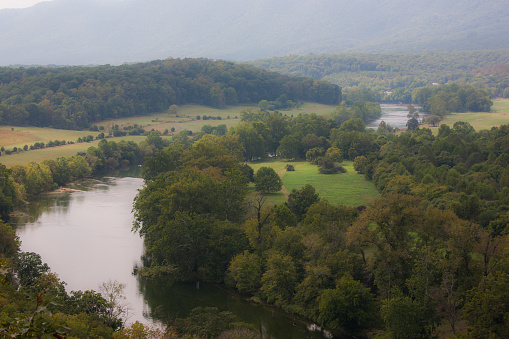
(75, 97)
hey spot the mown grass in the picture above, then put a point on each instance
(23, 158)
(349, 188)
(186, 118)
(499, 115)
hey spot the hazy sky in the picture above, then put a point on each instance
(18, 3)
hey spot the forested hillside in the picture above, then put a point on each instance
(75, 97)
(487, 69)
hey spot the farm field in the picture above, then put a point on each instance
(11, 137)
(349, 188)
(480, 120)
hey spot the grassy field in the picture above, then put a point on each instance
(11, 137)
(499, 115)
(348, 188)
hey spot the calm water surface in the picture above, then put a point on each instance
(85, 237)
(395, 115)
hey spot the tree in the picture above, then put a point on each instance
(252, 138)
(280, 279)
(9, 241)
(412, 124)
(433, 120)
(487, 307)
(154, 138)
(205, 322)
(167, 159)
(117, 308)
(290, 146)
(246, 271)
(173, 109)
(90, 302)
(7, 193)
(350, 306)
(412, 112)
(267, 180)
(300, 200)
(29, 267)
(138, 330)
(405, 318)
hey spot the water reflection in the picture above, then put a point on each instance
(167, 301)
(85, 237)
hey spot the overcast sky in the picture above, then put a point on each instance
(18, 3)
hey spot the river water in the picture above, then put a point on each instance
(394, 115)
(85, 237)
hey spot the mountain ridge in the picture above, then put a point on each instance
(78, 32)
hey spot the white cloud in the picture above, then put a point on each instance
(18, 3)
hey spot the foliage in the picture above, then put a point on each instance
(300, 200)
(405, 318)
(486, 307)
(138, 330)
(267, 180)
(8, 196)
(349, 306)
(75, 97)
(205, 322)
(246, 270)
(29, 267)
(279, 280)
(9, 241)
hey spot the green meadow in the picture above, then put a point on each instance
(185, 119)
(348, 188)
(499, 115)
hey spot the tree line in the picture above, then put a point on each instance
(76, 97)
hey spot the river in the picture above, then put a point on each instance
(394, 115)
(85, 237)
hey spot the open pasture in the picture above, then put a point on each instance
(39, 155)
(19, 136)
(349, 188)
(185, 119)
(499, 115)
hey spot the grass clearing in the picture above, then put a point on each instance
(39, 155)
(480, 120)
(11, 137)
(350, 188)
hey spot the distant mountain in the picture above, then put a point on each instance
(116, 31)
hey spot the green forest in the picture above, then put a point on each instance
(429, 256)
(76, 97)
(431, 250)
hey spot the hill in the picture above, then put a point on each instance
(487, 69)
(82, 32)
(75, 97)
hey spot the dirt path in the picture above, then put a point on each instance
(281, 174)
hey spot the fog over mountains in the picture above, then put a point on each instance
(82, 32)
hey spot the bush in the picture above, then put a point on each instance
(290, 168)
(328, 166)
